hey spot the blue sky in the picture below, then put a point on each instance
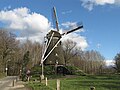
(100, 18)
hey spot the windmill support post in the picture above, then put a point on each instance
(42, 76)
(42, 60)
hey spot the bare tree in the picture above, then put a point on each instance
(69, 51)
(8, 46)
(94, 61)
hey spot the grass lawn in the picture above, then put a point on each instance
(108, 82)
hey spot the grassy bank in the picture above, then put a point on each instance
(109, 82)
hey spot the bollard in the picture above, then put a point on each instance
(28, 78)
(58, 84)
(46, 81)
(92, 88)
(40, 79)
(13, 83)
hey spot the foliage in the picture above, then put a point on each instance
(49, 70)
(26, 59)
(37, 70)
(24, 65)
(75, 71)
(117, 62)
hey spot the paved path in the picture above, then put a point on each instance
(10, 83)
(7, 82)
(19, 86)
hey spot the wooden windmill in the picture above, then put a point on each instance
(53, 50)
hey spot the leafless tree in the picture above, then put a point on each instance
(8, 46)
(70, 50)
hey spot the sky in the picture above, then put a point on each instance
(33, 19)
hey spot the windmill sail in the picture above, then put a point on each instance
(73, 30)
(55, 20)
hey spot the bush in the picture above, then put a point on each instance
(36, 71)
(24, 77)
(75, 71)
(49, 70)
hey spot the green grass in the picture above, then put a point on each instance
(111, 82)
(38, 86)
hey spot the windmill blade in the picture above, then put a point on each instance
(73, 30)
(42, 59)
(55, 18)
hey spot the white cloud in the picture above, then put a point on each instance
(30, 24)
(109, 62)
(89, 4)
(69, 25)
(34, 26)
(67, 12)
(103, 2)
(72, 25)
(80, 40)
(75, 36)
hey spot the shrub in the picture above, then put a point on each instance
(75, 71)
(37, 70)
(49, 70)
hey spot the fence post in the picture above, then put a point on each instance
(13, 83)
(28, 78)
(46, 81)
(58, 84)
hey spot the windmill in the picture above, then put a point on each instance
(52, 54)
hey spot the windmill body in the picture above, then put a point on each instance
(56, 56)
